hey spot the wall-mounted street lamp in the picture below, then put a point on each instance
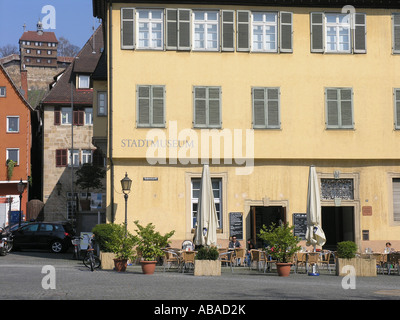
(126, 189)
(21, 188)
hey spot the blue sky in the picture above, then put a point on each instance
(73, 19)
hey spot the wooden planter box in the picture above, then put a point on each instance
(107, 260)
(207, 267)
(363, 267)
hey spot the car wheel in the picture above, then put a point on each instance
(57, 246)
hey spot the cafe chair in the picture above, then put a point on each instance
(170, 258)
(324, 259)
(255, 257)
(301, 259)
(313, 258)
(239, 256)
(393, 260)
(187, 260)
(268, 261)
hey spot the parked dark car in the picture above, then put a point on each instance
(55, 236)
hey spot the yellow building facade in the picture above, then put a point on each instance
(260, 93)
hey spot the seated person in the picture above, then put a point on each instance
(388, 248)
(234, 243)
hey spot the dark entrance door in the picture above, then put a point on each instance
(338, 225)
(265, 216)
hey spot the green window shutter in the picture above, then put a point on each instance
(157, 109)
(200, 112)
(346, 108)
(259, 119)
(228, 30)
(273, 108)
(339, 108)
(127, 28)
(214, 102)
(266, 108)
(397, 108)
(286, 31)
(243, 30)
(171, 29)
(332, 108)
(184, 31)
(360, 33)
(143, 116)
(396, 33)
(207, 107)
(317, 31)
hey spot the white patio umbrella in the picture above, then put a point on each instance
(207, 220)
(314, 235)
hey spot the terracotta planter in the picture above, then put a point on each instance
(283, 269)
(148, 267)
(120, 264)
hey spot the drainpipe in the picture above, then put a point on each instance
(110, 123)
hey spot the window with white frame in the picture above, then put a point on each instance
(338, 32)
(150, 29)
(83, 81)
(2, 91)
(12, 154)
(12, 124)
(75, 157)
(264, 31)
(206, 30)
(195, 195)
(102, 103)
(89, 116)
(66, 115)
(86, 156)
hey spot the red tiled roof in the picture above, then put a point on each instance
(34, 36)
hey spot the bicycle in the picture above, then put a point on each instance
(76, 243)
(90, 260)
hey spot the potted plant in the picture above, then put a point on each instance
(206, 262)
(347, 256)
(283, 244)
(149, 245)
(89, 177)
(10, 168)
(103, 235)
(121, 243)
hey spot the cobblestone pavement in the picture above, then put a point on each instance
(22, 275)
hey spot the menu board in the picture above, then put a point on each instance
(236, 225)
(300, 225)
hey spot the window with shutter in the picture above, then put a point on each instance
(150, 106)
(171, 29)
(205, 30)
(61, 158)
(266, 108)
(264, 32)
(338, 32)
(396, 33)
(178, 29)
(339, 108)
(127, 28)
(149, 31)
(207, 107)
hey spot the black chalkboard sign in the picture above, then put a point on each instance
(236, 225)
(300, 225)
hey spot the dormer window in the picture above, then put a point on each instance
(83, 82)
